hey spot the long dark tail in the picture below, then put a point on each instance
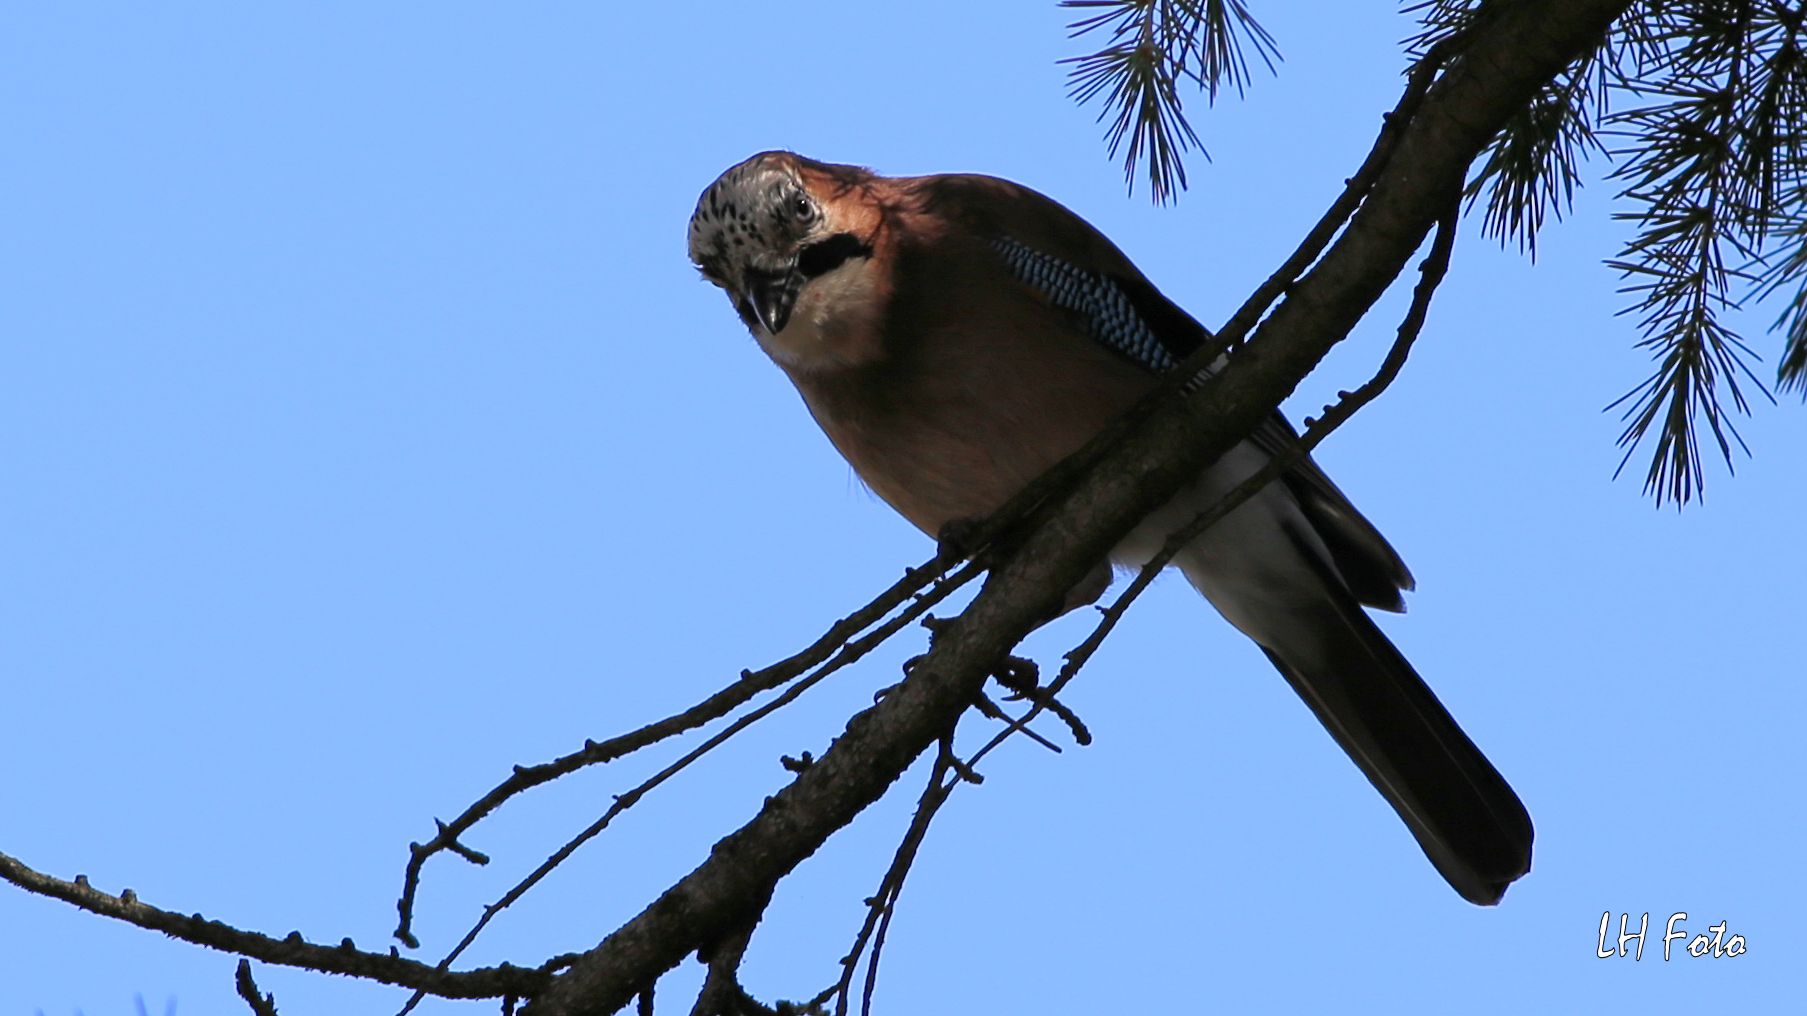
(1465, 816)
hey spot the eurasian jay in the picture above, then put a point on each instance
(957, 335)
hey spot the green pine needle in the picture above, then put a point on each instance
(1705, 103)
(1154, 46)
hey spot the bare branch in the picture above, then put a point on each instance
(881, 904)
(261, 1005)
(1355, 189)
(849, 653)
(292, 951)
(714, 707)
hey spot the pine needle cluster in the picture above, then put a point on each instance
(1698, 112)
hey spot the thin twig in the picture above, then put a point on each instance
(1028, 688)
(261, 1004)
(883, 903)
(849, 653)
(292, 951)
(992, 711)
(1355, 189)
(714, 707)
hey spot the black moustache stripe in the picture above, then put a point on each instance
(825, 256)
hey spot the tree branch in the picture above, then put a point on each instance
(723, 702)
(345, 958)
(261, 1004)
(852, 651)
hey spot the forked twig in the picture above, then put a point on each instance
(721, 703)
(882, 904)
(261, 1004)
(849, 653)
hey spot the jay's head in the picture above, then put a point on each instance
(772, 227)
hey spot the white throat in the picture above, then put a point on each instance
(834, 322)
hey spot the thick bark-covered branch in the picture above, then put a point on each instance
(1500, 69)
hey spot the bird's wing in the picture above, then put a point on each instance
(1073, 266)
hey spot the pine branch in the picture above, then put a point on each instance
(1534, 165)
(1715, 165)
(1709, 165)
(1154, 45)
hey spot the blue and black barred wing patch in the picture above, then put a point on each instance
(1127, 315)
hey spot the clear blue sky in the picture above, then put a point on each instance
(364, 432)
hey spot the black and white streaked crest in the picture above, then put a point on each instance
(754, 216)
(1108, 310)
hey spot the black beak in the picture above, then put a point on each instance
(770, 297)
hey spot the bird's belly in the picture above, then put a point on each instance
(954, 439)
(932, 476)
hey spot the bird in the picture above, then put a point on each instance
(957, 335)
